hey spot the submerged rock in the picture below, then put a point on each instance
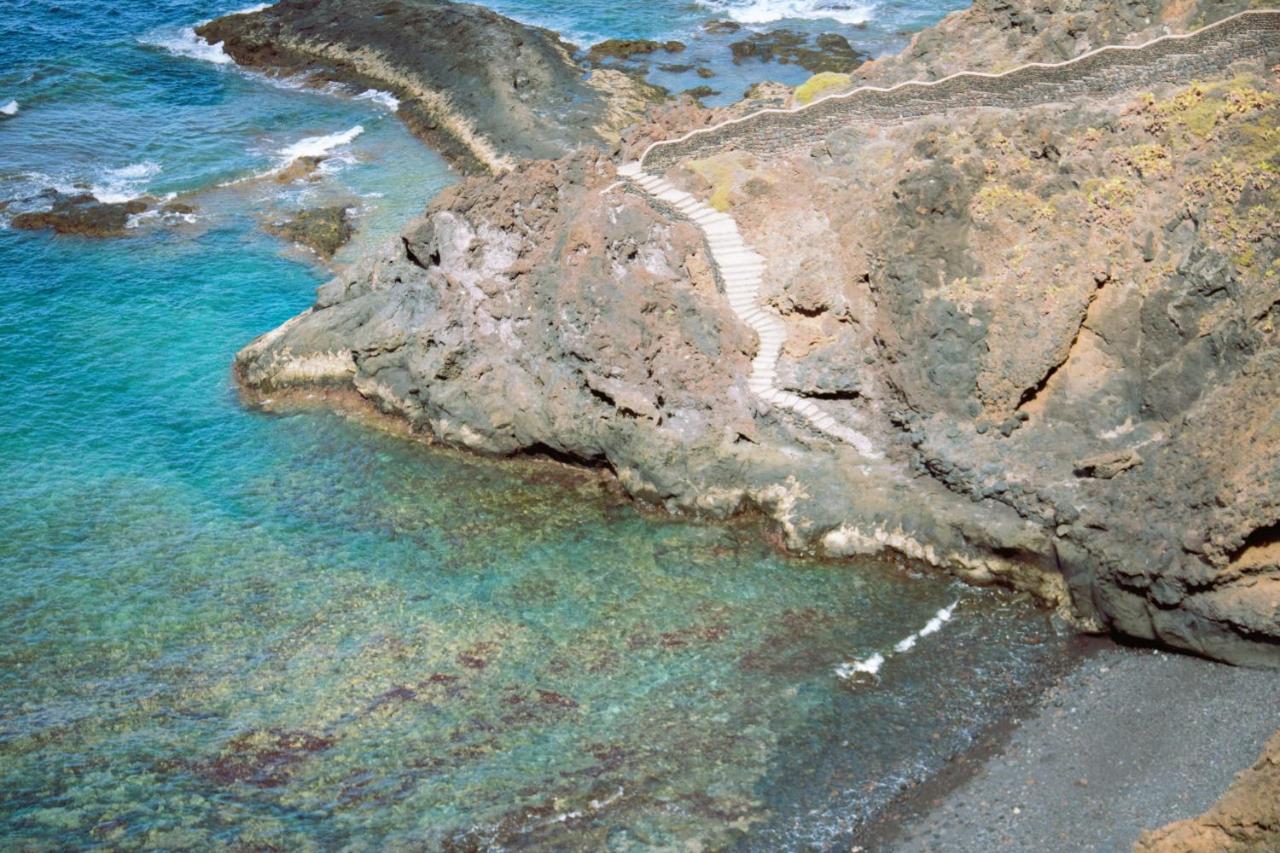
(829, 52)
(324, 230)
(627, 48)
(481, 88)
(83, 215)
(302, 168)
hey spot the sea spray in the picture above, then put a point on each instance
(184, 42)
(125, 183)
(383, 99)
(768, 11)
(319, 146)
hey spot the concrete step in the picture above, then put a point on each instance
(721, 229)
(740, 256)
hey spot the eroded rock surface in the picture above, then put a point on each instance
(1058, 323)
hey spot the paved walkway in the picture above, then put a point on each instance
(741, 271)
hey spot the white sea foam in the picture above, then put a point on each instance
(250, 10)
(123, 184)
(337, 162)
(382, 99)
(319, 146)
(185, 42)
(9, 109)
(939, 619)
(767, 11)
(871, 665)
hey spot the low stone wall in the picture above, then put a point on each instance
(1100, 74)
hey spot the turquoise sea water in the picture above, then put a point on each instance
(226, 628)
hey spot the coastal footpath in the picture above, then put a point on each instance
(1052, 317)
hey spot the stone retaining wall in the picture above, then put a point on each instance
(1099, 74)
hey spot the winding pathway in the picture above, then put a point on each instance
(741, 271)
(1098, 72)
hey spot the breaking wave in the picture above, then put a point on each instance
(319, 146)
(767, 11)
(185, 42)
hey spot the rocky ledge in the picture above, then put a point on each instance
(1056, 323)
(482, 89)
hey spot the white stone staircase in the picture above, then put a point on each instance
(741, 271)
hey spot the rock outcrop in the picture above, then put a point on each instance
(1245, 820)
(82, 215)
(324, 230)
(1056, 321)
(481, 88)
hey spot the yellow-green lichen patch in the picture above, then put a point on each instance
(820, 84)
(1150, 162)
(1111, 199)
(721, 173)
(1196, 112)
(997, 200)
(1237, 230)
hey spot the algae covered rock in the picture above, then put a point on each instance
(324, 230)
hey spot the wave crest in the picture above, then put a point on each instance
(319, 146)
(185, 42)
(768, 11)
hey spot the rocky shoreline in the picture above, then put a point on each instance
(480, 88)
(533, 311)
(1056, 320)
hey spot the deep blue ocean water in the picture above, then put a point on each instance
(227, 628)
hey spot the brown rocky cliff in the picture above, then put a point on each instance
(1058, 322)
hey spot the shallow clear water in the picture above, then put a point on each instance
(225, 627)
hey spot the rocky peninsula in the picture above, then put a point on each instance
(481, 88)
(1054, 322)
